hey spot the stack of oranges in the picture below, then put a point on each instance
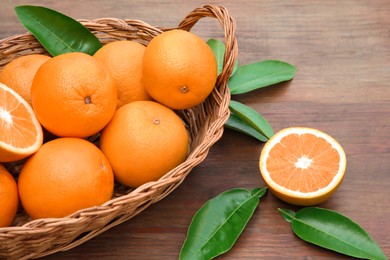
(125, 93)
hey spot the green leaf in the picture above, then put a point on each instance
(260, 74)
(332, 230)
(56, 32)
(287, 214)
(237, 124)
(218, 224)
(252, 118)
(218, 48)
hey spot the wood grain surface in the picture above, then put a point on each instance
(342, 87)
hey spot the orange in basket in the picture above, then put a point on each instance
(143, 141)
(65, 175)
(73, 95)
(179, 69)
(123, 60)
(8, 197)
(20, 72)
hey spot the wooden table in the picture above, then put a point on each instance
(342, 52)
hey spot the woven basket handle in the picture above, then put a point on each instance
(228, 24)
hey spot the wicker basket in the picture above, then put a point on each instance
(36, 238)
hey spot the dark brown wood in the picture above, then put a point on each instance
(342, 52)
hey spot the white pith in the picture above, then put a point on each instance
(304, 162)
(6, 117)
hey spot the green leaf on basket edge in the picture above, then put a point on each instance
(252, 118)
(237, 124)
(333, 231)
(260, 74)
(218, 48)
(219, 222)
(57, 32)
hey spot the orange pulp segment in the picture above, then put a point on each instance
(20, 132)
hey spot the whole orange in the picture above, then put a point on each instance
(65, 175)
(143, 141)
(20, 72)
(179, 69)
(73, 95)
(8, 197)
(123, 60)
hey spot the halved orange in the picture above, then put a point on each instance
(302, 166)
(20, 132)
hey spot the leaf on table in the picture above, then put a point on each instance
(219, 222)
(287, 214)
(334, 231)
(237, 124)
(260, 74)
(57, 32)
(218, 48)
(252, 118)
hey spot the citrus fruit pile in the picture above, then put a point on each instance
(126, 94)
